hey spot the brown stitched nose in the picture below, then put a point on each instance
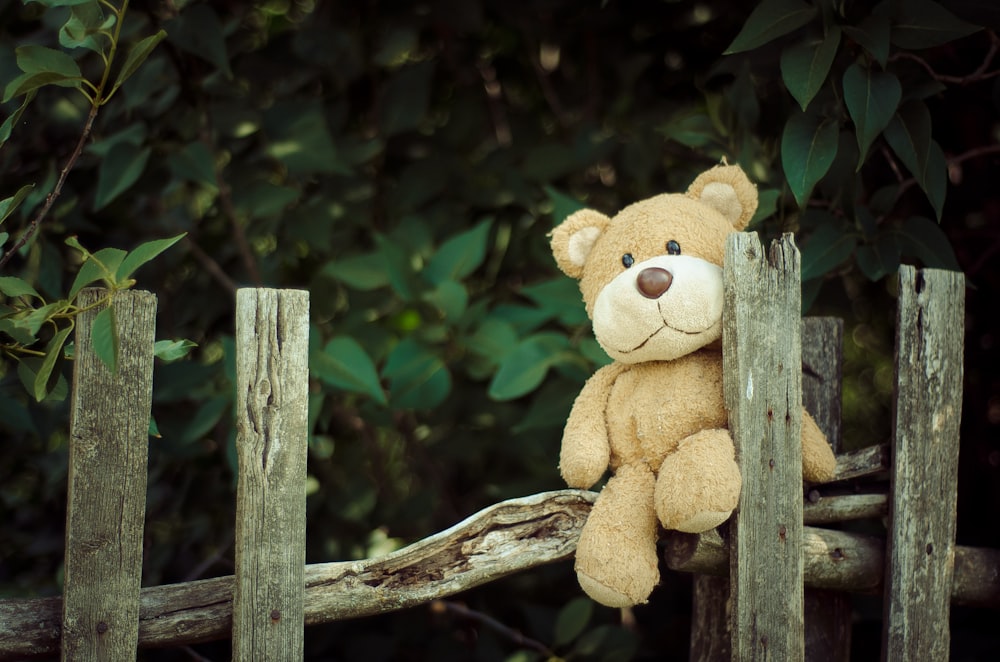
(652, 282)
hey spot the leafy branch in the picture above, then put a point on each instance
(27, 320)
(90, 29)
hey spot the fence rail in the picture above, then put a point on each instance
(273, 594)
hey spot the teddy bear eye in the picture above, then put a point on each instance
(628, 260)
(673, 248)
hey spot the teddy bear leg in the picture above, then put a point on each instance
(698, 485)
(616, 560)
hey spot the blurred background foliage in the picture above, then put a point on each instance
(403, 161)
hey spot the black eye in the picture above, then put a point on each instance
(628, 260)
(673, 248)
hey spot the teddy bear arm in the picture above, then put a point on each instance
(818, 462)
(586, 450)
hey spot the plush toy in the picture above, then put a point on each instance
(651, 279)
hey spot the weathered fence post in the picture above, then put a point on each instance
(106, 503)
(827, 613)
(272, 370)
(928, 409)
(762, 382)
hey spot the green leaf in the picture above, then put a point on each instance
(29, 83)
(879, 259)
(768, 21)
(450, 298)
(52, 352)
(16, 330)
(15, 287)
(560, 296)
(87, 27)
(923, 238)
(909, 136)
(199, 425)
(460, 255)
(572, 620)
(936, 182)
(399, 268)
(33, 321)
(99, 266)
(362, 272)
(921, 24)
(172, 350)
(872, 98)
(136, 56)
(120, 169)
(808, 148)
(198, 30)
(8, 124)
(33, 59)
(493, 339)
(873, 35)
(562, 205)
(827, 248)
(767, 205)
(142, 254)
(154, 429)
(300, 138)
(418, 378)
(104, 338)
(343, 363)
(194, 163)
(691, 128)
(8, 205)
(524, 368)
(3, 238)
(804, 67)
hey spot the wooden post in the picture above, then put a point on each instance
(928, 409)
(272, 370)
(762, 381)
(827, 613)
(106, 503)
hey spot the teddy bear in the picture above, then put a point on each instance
(651, 280)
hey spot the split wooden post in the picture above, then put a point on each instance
(106, 503)
(928, 410)
(272, 370)
(762, 382)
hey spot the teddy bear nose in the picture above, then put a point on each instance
(652, 282)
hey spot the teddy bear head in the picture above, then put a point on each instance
(651, 276)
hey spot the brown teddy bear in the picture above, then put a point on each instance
(651, 279)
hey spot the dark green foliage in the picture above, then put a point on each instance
(404, 162)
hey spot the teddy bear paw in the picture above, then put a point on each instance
(702, 522)
(635, 593)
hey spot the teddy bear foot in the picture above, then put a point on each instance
(702, 522)
(698, 486)
(611, 597)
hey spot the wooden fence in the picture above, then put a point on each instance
(769, 585)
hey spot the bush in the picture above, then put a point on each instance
(404, 163)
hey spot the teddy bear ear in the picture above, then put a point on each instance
(573, 239)
(729, 191)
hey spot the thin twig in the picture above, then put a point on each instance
(51, 198)
(445, 606)
(981, 72)
(240, 237)
(210, 265)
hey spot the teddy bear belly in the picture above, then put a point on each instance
(654, 406)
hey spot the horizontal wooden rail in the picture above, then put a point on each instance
(844, 561)
(498, 541)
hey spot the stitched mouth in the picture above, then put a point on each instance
(658, 331)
